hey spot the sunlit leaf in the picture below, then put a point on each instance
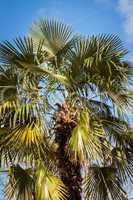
(54, 34)
(26, 140)
(87, 139)
(49, 186)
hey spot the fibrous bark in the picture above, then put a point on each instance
(69, 171)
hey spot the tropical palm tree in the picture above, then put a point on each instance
(64, 106)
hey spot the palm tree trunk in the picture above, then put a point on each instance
(69, 172)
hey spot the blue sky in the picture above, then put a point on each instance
(86, 16)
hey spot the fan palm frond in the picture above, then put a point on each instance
(16, 75)
(21, 53)
(103, 183)
(99, 59)
(87, 140)
(8, 88)
(20, 184)
(123, 100)
(54, 34)
(28, 140)
(123, 164)
(49, 186)
(107, 57)
(27, 113)
(30, 58)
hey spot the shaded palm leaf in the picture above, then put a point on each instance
(8, 88)
(103, 183)
(123, 164)
(20, 185)
(28, 57)
(106, 59)
(123, 100)
(21, 53)
(98, 61)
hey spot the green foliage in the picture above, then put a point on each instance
(48, 186)
(20, 185)
(54, 34)
(87, 138)
(103, 183)
(91, 76)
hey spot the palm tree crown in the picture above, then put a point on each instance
(64, 105)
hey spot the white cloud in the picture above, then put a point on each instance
(126, 9)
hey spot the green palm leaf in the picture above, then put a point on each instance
(103, 183)
(87, 140)
(26, 141)
(54, 34)
(20, 185)
(8, 89)
(27, 113)
(123, 164)
(21, 53)
(28, 57)
(49, 186)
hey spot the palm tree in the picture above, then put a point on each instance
(64, 108)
